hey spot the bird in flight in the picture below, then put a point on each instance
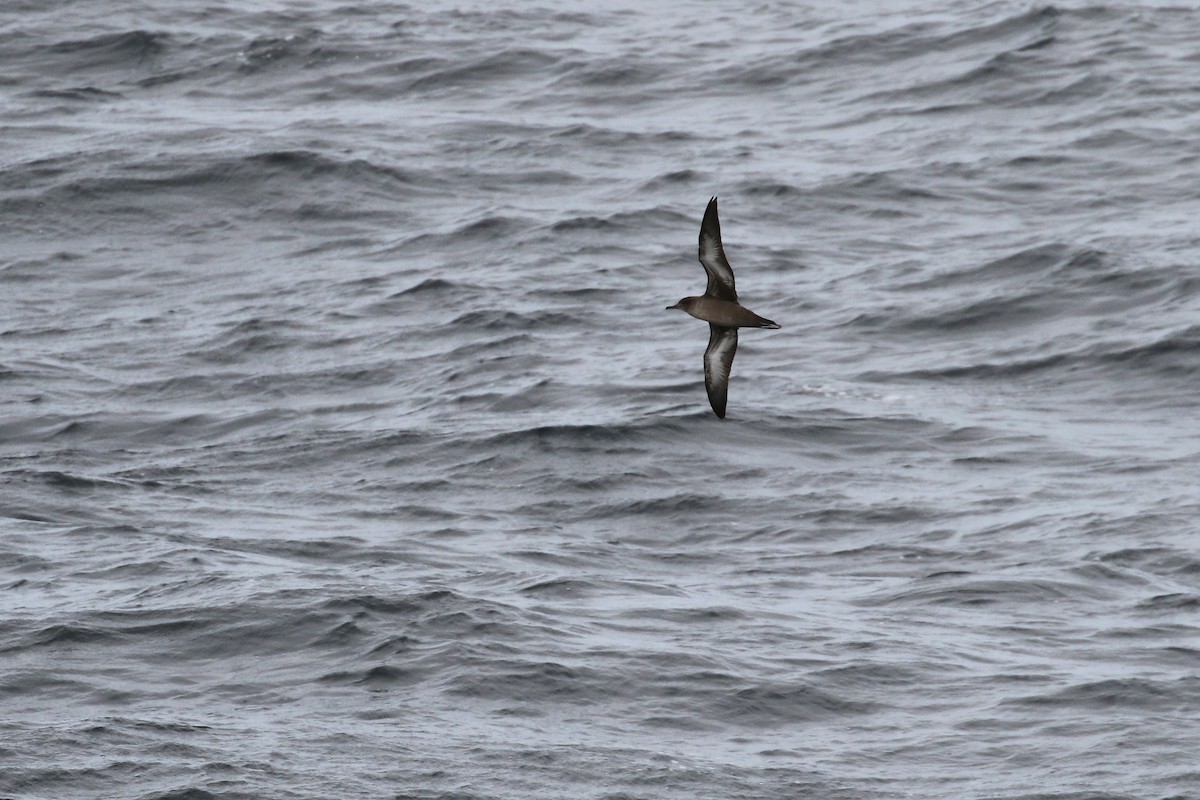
(719, 307)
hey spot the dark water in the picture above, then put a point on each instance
(347, 450)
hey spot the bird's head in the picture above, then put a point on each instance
(683, 305)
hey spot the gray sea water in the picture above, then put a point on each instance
(346, 449)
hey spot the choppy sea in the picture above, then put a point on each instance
(347, 450)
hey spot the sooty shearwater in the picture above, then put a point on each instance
(719, 307)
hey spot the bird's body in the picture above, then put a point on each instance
(723, 313)
(719, 307)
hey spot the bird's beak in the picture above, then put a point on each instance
(668, 308)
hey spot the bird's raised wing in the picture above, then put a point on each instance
(718, 361)
(712, 256)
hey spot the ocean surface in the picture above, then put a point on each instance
(347, 450)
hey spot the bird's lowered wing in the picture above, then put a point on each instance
(718, 361)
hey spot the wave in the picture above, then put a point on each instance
(495, 320)
(137, 48)
(968, 591)
(1171, 357)
(207, 193)
(620, 223)
(88, 94)
(1137, 695)
(911, 42)
(508, 64)
(263, 180)
(483, 233)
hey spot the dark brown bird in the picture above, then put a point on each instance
(719, 307)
